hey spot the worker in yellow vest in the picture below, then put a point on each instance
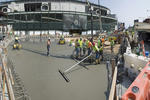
(112, 43)
(77, 48)
(100, 54)
(96, 50)
(84, 47)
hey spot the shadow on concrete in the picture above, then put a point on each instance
(44, 54)
(61, 56)
(35, 51)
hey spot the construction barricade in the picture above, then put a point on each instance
(140, 88)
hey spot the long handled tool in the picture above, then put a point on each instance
(67, 70)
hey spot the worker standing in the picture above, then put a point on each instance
(112, 45)
(77, 48)
(96, 50)
(70, 43)
(89, 47)
(103, 41)
(80, 49)
(100, 46)
(84, 47)
(100, 54)
(48, 46)
(40, 37)
(99, 43)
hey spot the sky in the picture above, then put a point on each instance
(128, 10)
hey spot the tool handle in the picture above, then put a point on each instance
(76, 64)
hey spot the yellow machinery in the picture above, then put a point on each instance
(112, 37)
(16, 44)
(62, 41)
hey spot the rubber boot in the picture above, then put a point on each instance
(96, 61)
(99, 60)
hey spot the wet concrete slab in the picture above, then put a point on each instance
(42, 80)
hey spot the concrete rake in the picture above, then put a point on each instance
(63, 73)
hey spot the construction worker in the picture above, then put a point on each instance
(137, 51)
(112, 45)
(77, 45)
(100, 54)
(40, 37)
(16, 40)
(103, 41)
(84, 47)
(133, 34)
(17, 44)
(100, 46)
(80, 43)
(48, 46)
(99, 43)
(96, 50)
(89, 46)
(70, 43)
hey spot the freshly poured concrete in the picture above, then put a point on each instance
(42, 80)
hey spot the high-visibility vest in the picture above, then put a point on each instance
(95, 48)
(76, 44)
(112, 42)
(99, 43)
(101, 48)
(89, 44)
(103, 40)
(80, 43)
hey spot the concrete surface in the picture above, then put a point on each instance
(42, 80)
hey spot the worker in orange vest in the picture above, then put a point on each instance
(103, 41)
(89, 46)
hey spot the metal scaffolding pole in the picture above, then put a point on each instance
(100, 18)
(91, 23)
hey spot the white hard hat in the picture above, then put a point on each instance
(49, 38)
(16, 38)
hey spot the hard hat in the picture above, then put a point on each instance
(93, 43)
(132, 66)
(49, 38)
(16, 38)
(139, 69)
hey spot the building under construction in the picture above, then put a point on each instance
(74, 16)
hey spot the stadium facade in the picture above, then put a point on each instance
(63, 15)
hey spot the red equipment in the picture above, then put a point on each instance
(140, 88)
